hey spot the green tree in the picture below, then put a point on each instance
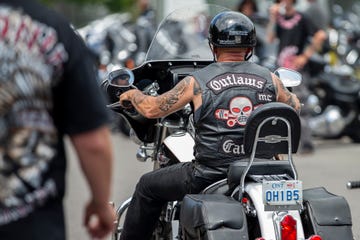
(81, 12)
(112, 5)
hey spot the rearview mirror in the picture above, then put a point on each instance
(289, 77)
(122, 77)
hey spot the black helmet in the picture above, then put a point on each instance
(232, 29)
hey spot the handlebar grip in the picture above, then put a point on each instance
(353, 184)
(127, 104)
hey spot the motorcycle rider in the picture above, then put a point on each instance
(223, 95)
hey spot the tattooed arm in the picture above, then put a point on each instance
(187, 90)
(284, 95)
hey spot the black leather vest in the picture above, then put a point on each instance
(230, 92)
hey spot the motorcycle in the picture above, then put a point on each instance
(112, 41)
(334, 83)
(260, 198)
(334, 104)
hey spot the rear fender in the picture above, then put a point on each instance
(269, 220)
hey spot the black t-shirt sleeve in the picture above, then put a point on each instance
(79, 103)
(309, 25)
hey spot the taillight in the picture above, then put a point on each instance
(244, 200)
(315, 237)
(288, 228)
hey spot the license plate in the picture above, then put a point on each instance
(283, 194)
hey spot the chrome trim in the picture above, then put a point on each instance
(266, 139)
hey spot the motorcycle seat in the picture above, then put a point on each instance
(346, 86)
(259, 167)
(341, 85)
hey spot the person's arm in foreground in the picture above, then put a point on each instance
(185, 91)
(95, 155)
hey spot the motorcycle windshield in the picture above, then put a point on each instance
(183, 34)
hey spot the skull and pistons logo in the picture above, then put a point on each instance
(239, 110)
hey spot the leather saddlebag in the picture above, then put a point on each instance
(326, 215)
(212, 216)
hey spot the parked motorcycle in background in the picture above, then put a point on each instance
(116, 41)
(112, 41)
(260, 198)
(335, 81)
(345, 37)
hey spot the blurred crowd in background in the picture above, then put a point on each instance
(122, 39)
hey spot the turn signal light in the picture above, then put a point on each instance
(288, 228)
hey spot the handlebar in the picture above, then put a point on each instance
(127, 104)
(353, 184)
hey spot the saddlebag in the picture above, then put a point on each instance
(212, 216)
(326, 214)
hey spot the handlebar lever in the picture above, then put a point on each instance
(113, 105)
(353, 184)
(125, 105)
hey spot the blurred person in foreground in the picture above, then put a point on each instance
(48, 90)
(299, 38)
(245, 86)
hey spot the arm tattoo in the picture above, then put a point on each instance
(138, 98)
(170, 98)
(276, 89)
(289, 97)
(197, 89)
(290, 100)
